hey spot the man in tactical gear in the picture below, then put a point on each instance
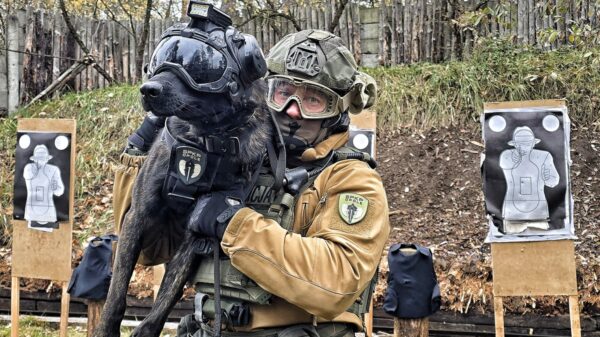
(303, 248)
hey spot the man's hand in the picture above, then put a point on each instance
(213, 211)
(141, 140)
(516, 155)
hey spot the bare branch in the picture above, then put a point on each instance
(339, 9)
(83, 47)
(114, 18)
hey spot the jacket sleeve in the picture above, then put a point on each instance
(326, 270)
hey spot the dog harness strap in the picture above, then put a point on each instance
(209, 144)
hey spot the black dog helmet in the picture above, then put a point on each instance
(209, 54)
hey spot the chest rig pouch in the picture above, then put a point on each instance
(193, 167)
(237, 290)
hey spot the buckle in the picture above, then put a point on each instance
(214, 144)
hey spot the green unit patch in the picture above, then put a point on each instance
(352, 207)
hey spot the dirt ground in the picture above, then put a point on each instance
(434, 191)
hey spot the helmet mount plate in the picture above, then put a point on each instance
(304, 59)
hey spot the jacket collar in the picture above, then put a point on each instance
(325, 147)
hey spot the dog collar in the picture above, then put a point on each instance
(210, 144)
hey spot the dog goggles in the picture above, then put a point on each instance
(202, 66)
(314, 100)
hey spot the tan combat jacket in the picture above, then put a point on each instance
(321, 268)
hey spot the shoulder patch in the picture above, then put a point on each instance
(352, 207)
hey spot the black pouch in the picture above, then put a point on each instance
(91, 279)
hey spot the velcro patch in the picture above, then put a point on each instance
(352, 207)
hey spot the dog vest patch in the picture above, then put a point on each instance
(191, 164)
(352, 207)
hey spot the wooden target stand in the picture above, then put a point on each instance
(545, 268)
(44, 255)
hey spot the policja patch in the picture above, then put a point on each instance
(191, 163)
(352, 207)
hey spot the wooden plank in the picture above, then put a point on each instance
(574, 316)
(14, 306)
(64, 310)
(534, 268)
(132, 56)
(57, 32)
(117, 51)
(368, 319)
(369, 15)
(499, 316)
(101, 60)
(13, 68)
(124, 36)
(158, 274)
(547, 103)
(367, 119)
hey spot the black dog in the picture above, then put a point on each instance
(193, 115)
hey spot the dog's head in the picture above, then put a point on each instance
(203, 73)
(165, 94)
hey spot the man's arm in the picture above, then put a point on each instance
(326, 270)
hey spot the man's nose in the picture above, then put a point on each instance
(293, 111)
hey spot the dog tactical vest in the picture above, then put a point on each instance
(193, 167)
(237, 290)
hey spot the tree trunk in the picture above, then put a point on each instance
(339, 9)
(141, 42)
(416, 25)
(394, 37)
(407, 30)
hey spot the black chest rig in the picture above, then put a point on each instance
(194, 166)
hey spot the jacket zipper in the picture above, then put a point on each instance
(306, 226)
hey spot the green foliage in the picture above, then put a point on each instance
(426, 94)
(105, 118)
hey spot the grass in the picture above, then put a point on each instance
(424, 95)
(31, 327)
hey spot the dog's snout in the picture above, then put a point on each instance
(151, 88)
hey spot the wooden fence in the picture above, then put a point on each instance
(394, 32)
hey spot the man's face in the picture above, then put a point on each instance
(524, 147)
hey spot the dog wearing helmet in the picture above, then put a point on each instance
(202, 86)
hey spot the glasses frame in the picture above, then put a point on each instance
(334, 108)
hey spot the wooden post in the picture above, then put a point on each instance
(13, 64)
(499, 316)
(14, 307)
(574, 316)
(94, 309)
(369, 321)
(64, 310)
(411, 327)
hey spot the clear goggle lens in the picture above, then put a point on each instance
(315, 101)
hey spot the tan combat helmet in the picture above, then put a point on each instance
(320, 57)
